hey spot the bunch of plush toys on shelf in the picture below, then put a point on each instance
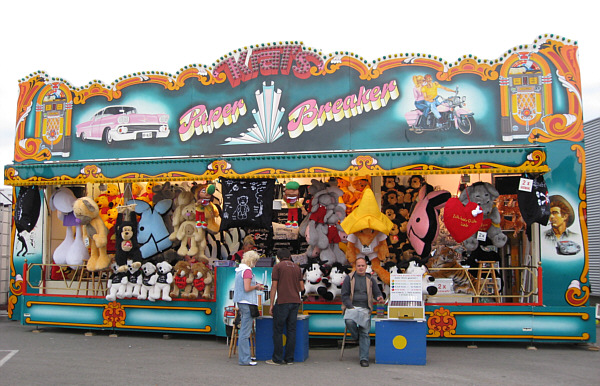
(162, 241)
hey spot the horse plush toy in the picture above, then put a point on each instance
(153, 235)
(423, 224)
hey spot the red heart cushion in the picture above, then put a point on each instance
(459, 219)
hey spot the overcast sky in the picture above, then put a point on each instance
(85, 40)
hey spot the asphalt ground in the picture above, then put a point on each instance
(56, 356)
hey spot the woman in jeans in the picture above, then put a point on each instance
(244, 295)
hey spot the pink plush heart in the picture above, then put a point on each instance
(462, 221)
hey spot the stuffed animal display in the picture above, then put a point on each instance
(428, 286)
(72, 250)
(148, 280)
(322, 227)
(134, 279)
(333, 282)
(423, 225)
(207, 214)
(182, 280)
(127, 247)
(94, 230)
(117, 283)
(313, 274)
(484, 194)
(162, 285)
(202, 282)
(367, 228)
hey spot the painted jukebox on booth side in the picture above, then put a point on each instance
(526, 95)
(53, 119)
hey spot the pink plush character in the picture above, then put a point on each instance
(423, 225)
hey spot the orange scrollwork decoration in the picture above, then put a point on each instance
(114, 314)
(441, 323)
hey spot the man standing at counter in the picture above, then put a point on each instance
(286, 285)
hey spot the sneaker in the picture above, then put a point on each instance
(364, 363)
(289, 363)
(252, 363)
(253, 358)
(270, 362)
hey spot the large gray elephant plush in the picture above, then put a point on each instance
(484, 194)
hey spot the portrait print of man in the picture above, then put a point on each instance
(559, 235)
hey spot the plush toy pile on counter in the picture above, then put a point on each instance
(166, 238)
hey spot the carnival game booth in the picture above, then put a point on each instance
(194, 162)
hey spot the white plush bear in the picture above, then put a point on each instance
(162, 286)
(148, 280)
(116, 283)
(134, 280)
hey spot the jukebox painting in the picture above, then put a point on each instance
(526, 95)
(53, 119)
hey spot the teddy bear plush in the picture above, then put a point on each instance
(484, 194)
(86, 210)
(148, 280)
(193, 239)
(162, 286)
(183, 211)
(126, 246)
(134, 279)
(202, 281)
(116, 283)
(182, 280)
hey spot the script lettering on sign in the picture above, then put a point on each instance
(308, 115)
(269, 61)
(199, 119)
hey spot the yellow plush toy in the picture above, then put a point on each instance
(94, 230)
(367, 228)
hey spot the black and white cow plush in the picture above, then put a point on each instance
(334, 282)
(314, 273)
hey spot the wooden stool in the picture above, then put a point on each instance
(234, 337)
(490, 273)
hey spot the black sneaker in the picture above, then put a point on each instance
(364, 363)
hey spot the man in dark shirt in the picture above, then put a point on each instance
(358, 293)
(286, 285)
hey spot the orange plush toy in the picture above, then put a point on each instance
(367, 228)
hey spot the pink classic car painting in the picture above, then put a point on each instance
(123, 123)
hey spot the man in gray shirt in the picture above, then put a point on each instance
(358, 293)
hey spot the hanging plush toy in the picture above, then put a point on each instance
(367, 228)
(72, 250)
(423, 225)
(207, 214)
(484, 194)
(94, 230)
(291, 195)
(127, 247)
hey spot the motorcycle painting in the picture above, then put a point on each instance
(454, 115)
